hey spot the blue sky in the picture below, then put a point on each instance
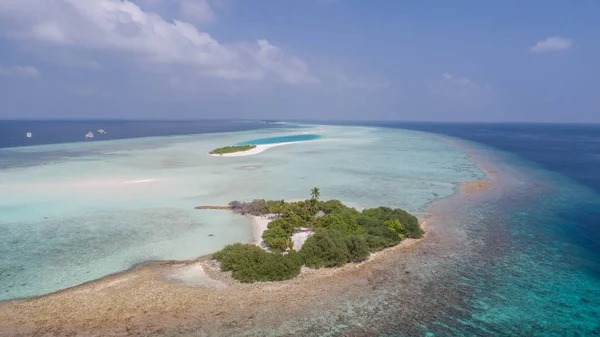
(309, 59)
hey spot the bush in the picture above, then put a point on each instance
(358, 247)
(249, 263)
(380, 237)
(277, 239)
(396, 226)
(344, 221)
(410, 222)
(326, 248)
(331, 206)
(282, 223)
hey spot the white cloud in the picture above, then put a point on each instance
(290, 69)
(23, 72)
(460, 81)
(461, 90)
(555, 43)
(122, 28)
(196, 11)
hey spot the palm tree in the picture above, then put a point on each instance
(314, 193)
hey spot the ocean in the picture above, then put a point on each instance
(524, 260)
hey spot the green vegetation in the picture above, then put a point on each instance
(232, 149)
(341, 234)
(250, 263)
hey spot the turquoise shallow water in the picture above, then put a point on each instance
(92, 209)
(281, 139)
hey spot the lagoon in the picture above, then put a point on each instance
(281, 139)
(100, 208)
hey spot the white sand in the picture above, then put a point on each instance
(258, 149)
(299, 238)
(193, 275)
(259, 224)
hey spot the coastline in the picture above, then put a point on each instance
(155, 303)
(258, 149)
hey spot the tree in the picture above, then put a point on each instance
(315, 193)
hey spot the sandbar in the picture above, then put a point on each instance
(258, 149)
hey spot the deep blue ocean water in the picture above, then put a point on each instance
(537, 272)
(14, 133)
(535, 266)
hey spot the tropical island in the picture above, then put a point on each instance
(338, 235)
(232, 149)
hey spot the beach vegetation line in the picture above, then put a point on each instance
(339, 235)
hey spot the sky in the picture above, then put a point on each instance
(488, 61)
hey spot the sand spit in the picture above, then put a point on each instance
(214, 207)
(258, 149)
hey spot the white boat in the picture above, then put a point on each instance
(101, 132)
(89, 135)
(28, 134)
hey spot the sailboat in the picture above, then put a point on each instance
(28, 134)
(89, 135)
(101, 132)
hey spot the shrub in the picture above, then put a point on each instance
(358, 247)
(282, 223)
(380, 237)
(330, 206)
(326, 248)
(410, 222)
(396, 226)
(344, 221)
(277, 239)
(249, 263)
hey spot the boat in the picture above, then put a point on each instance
(101, 132)
(89, 135)
(28, 134)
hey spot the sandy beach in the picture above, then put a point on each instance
(259, 224)
(258, 149)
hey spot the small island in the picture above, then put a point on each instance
(232, 149)
(335, 235)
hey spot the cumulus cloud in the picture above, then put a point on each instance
(22, 72)
(290, 69)
(122, 28)
(555, 43)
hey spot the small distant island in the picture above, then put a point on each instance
(232, 149)
(337, 235)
